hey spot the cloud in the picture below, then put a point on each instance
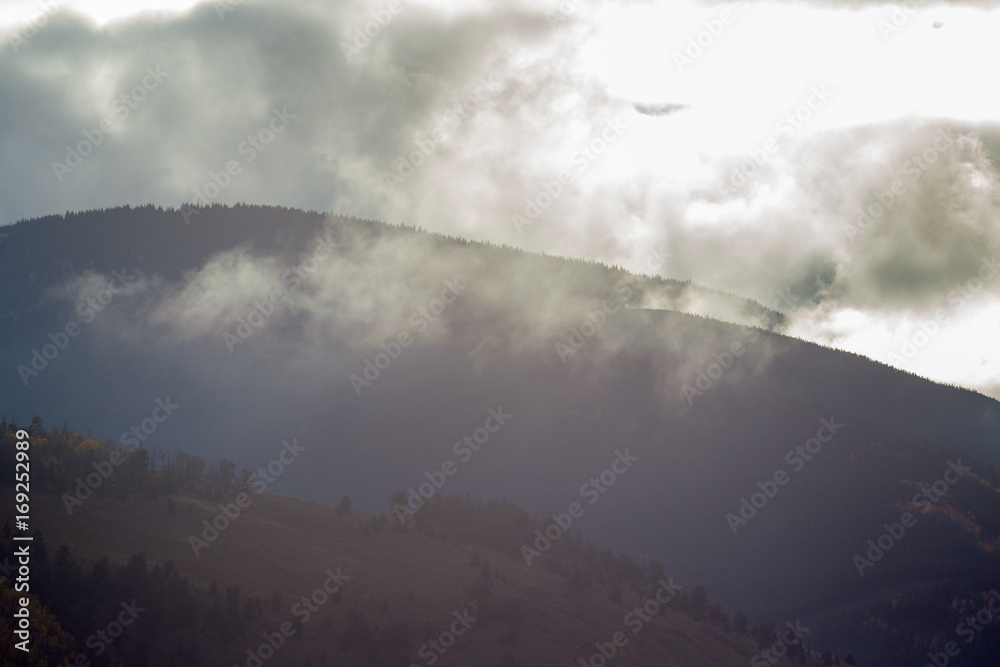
(664, 109)
(456, 118)
(926, 4)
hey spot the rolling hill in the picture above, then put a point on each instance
(383, 350)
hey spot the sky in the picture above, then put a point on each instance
(836, 161)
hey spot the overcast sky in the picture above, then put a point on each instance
(585, 128)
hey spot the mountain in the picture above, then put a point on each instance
(683, 424)
(259, 578)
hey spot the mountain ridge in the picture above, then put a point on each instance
(498, 344)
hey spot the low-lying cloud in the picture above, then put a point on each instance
(455, 119)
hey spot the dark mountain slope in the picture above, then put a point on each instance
(396, 589)
(365, 363)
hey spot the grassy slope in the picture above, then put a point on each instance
(286, 545)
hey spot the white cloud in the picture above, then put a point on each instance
(655, 186)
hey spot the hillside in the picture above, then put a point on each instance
(279, 549)
(385, 353)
